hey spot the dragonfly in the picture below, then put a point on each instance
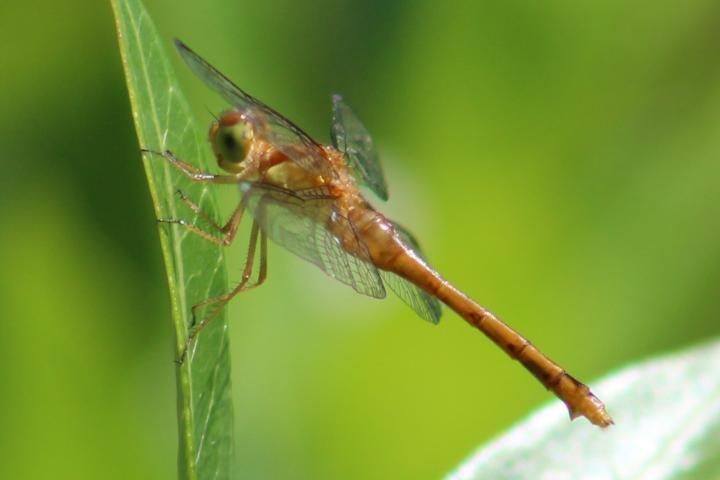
(306, 197)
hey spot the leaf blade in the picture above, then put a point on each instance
(667, 414)
(195, 268)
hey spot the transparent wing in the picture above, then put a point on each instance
(425, 305)
(351, 137)
(311, 228)
(278, 130)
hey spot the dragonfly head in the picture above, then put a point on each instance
(230, 140)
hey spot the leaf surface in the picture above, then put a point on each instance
(195, 267)
(667, 426)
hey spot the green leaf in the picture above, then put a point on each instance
(667, 426)
(195, 267)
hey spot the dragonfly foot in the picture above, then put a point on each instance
(176, 221)
(164, 153)
(193, 320)
(183, 354)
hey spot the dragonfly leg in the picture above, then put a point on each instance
(198, 210)
(192, 172)
(228, 231)
(219, 302)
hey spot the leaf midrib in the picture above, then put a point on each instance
(177, 267)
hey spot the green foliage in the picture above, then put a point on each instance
(667, 415)
(559, 164)
(195, 268)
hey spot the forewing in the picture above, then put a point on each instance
(278, 130)
(425, 305)
(351, 137)
(310, 228)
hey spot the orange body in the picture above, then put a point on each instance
(388, 252)
(264, 151)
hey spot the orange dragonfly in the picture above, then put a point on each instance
(305, 197)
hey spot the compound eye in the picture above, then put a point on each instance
(231, 144)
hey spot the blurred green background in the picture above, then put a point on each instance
(559, 162)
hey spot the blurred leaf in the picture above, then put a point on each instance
(195, 267)
(667, 414)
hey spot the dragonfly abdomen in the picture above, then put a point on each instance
(577, 396)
